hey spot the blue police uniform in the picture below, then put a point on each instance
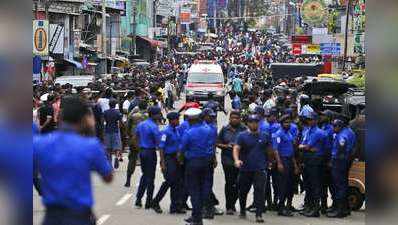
(148, 140)
(228, 136)
(253, 171)
(197, 146)
(273, 172)
(169, 143)
(68, 198)
(341, 151)
(327, 179)
(315, 138)
(282, 142)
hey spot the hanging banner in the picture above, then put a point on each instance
(40, 37)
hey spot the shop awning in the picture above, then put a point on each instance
(153, 43)
(75, 63)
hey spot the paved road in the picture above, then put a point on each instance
(114, 204)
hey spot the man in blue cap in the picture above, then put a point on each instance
(148, 136)
(209, 118)
(342, 151)
(169, 144)
(250, 156)
(283, 145)
(199, 158)
(64, 159)
(313, 147)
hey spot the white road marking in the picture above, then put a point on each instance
(102, 219)
(124, 199)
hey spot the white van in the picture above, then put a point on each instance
(76, 81)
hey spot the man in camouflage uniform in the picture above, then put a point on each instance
(137, 115)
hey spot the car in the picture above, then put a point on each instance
(75, 80)
(206, 77)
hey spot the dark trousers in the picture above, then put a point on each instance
(199, 175)
(327, 183)
(275, 184)
(231, 185)
(285, 181)
(340, 169)
(245, 181)
(148, 166)
(313, 169)
(133, 156)
(173, 180)
(61, 216)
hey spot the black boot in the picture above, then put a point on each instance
(148, 204)
(284, 212)
(313, 212)
(208, 213)
(156, 208)
(338, 212)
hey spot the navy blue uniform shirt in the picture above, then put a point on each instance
(198, 142)
(228, 135)
(170, 139)
(64, 159)
(342, 140)
(148, 134)
(253, 150)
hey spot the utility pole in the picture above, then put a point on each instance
(133, 51)
(104, 28)
(348, 10)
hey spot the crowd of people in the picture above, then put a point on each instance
(277, 140)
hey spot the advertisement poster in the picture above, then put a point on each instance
(40, 37)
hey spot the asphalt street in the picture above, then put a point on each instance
(114, 204)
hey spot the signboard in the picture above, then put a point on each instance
(76, 42)
(311, 49)
(115, 4)
(296, 48)
(302, 39)
(40, 37)
(57, 36)
(330, 48)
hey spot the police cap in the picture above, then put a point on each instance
(338, 123)
(310, 116)
(193, 112)
(173, 115)
(253, 118)
(284, 118)
(328, 113)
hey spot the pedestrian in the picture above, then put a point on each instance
(200, 156)
(342, 151)
(113, 119)
(283, 146)
(225, 140)
(135, 117)
(64, 161)
(46, 114)
(171, 168)
(313, 147)
(148, 136)
(250, 156)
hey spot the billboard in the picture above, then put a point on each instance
(40, 37)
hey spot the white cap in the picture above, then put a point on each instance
(44, 97)
(193, 112)
(86, 90)
(74, 91)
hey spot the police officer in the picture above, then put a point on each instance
(148, 135)
(209, 118)
(343, 143)
(325, 124)
(225, 140)
(68, 153)
(250, 156)
(169, 144)
(313, 147)
(197, 147)
(283, 146)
